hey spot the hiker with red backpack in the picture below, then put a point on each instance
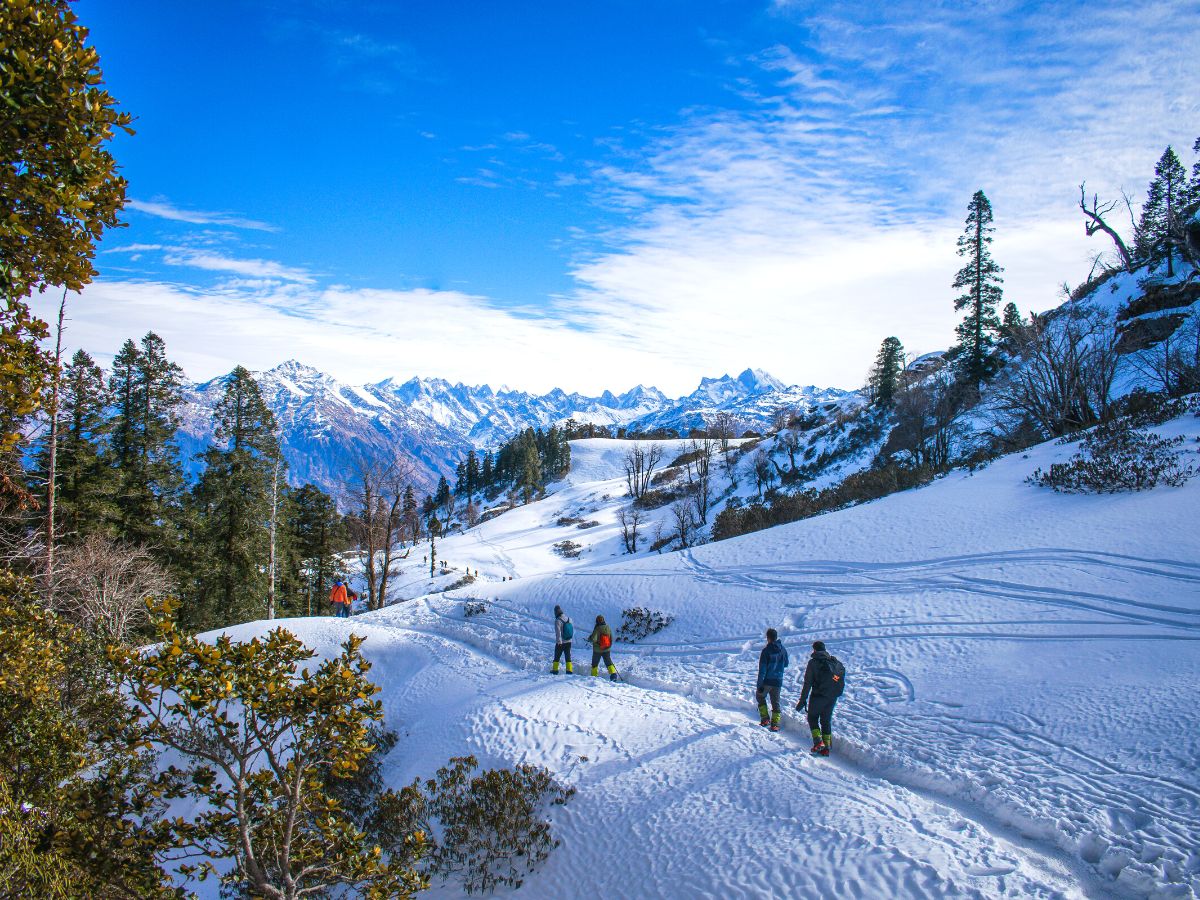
(564, 633)
(601, 641)
(771, 662)
(824, 681)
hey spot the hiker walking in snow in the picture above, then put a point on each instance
(564, 633)
(340, 600)
(824, 681)
(601, 641)
(771, 662)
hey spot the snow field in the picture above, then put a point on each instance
(1020, 720)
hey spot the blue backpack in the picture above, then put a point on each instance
(568, 631)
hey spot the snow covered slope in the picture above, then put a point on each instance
(1021, 718)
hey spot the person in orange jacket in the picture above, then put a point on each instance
(340, 600)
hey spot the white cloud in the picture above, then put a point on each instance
(252, 268)
(165, 210)
(358, 336)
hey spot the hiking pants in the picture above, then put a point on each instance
(607, 654)
(561, 650)
(820, 714)
(342, 610)
(760, 695)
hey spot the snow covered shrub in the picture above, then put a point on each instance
(1115, 457)
(472, 608)
(657, 498)
(639, 622)
(568, 549)
(462, 582)
(490, 828)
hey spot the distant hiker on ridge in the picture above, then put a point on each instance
(339, 599)
(601, 641)
(564, 632)
(825, 679)
(771, 662)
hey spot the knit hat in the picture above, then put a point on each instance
(558, 610)
(818, 645)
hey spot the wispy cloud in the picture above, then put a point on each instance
(251, 268)
(819, 216)
(164, 209)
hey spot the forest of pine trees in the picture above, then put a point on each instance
(119, 480)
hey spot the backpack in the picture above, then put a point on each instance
(568, 631)
(837, 676)
(605, 642)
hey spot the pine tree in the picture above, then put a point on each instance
(530, 478)
(885, 375)
(313, 535)
(1011, 325)
(147, 393)
(471, 470)
(974, 353)
(85, 495)
(1162, 215)
(233, 506)
(411, 514)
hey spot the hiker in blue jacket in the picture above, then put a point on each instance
(771, 662)
(564, 633)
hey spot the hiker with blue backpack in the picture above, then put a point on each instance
(564, 633)
(824, 681)
(771, 662)
(601, 641)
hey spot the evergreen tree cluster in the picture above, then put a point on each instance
(119, 474)
(525, 463)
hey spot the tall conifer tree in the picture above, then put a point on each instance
(885, 375)
(980, 280)
(85, 484)
(1162, 215)
(233, 505)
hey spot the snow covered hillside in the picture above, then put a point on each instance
(1021, 717)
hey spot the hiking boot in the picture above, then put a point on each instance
(765, 722)
(824, 751)
(819, 747)
(612, 677)
(774, 726)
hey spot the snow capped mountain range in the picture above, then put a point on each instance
(325, 426)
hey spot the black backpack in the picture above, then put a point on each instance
(834, 681)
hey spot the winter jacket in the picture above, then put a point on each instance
(771, 662)
(559, 621)
(338, 594)
(594, 637)
(818, 679)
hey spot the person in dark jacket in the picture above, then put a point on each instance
(562, 643)
(822, 687)
(601, 641)
(771, 662)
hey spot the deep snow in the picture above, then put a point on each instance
(1020, 718)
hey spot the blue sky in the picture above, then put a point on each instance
(592, 195)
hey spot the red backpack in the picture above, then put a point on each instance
(605, 641)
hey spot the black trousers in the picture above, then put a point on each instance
(607, 654)
(561, 650)
(820, 713)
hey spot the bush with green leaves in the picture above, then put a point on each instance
(1115, 457)
(78, 814)
(262, 733)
